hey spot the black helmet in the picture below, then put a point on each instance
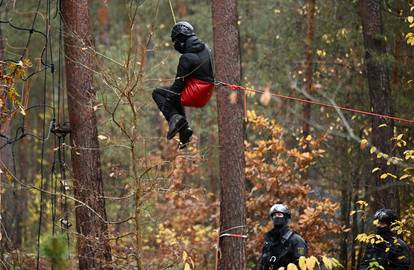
(387, 216)
(182, 28)
(280, 208)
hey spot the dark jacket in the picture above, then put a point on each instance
(392, 254)
(282, 247)
(195, 63)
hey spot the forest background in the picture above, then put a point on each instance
(161, 205)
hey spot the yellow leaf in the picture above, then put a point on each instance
(405, 176)
(373, 149)
(266, 97)
(383, 176)
(291, 266)
(9, 177)
(382, 125)
(302, 263)
(410, 19)
(399, 137)
(22, 110)
(310, 262)
(185, 256)
(327, 262)
(308, 138)
(187, 266)
(102, 137)
(375, 169)
(391, 175)
(363, 144)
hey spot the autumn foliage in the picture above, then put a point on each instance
(274, 171)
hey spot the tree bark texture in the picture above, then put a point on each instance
(93, 247)
(8, 201)
(308, 64)
(380, 98)
(231, 134)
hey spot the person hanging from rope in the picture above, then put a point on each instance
(282, 245)
(193, 84)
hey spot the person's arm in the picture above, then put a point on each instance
(300, 248)
(183, 70)
(264, 262)
(369, 260)
(399, 256)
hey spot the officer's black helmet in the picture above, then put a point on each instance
(182, 28)
(387, 216)
(280, 208)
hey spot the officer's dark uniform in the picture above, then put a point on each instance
(392, 253)
(282, 245)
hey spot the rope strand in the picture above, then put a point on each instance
(321, 104)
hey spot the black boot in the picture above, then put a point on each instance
(177, 123)
(185, 137)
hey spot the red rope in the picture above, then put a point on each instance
(238, 87)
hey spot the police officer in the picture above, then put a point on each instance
(195, 65)
(282, 245)
(389, 254)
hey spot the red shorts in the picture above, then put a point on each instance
(196, 93)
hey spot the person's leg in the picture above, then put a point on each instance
(185, 133)
(166, 102)
(170, 105)
(159, 96)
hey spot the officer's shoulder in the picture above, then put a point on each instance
(297, 237)
(401, 243)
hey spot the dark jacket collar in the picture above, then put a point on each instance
(277, 234)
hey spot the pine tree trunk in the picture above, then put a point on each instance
(182, 8)
(93, 247)
(103, 19)
(231, 134)
(7, 196)
(308, 64)
(380, 96)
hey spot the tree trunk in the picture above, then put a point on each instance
(7, 195)
(345, 210)
(231, 134)
(379, 92)
(308, 64)
(103, 18)
(93, 247)
(182, 8)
